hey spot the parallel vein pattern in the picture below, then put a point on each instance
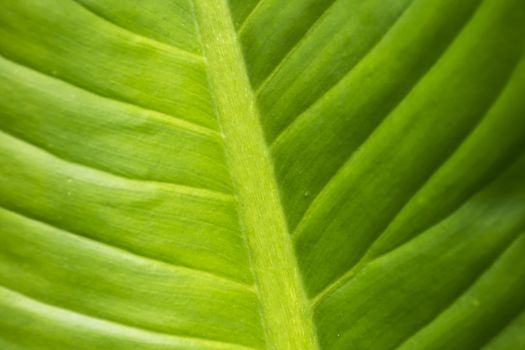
(262, 174)
(388, 122)
(118, 212)
(61, 37)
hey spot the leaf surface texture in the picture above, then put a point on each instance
(262, 174)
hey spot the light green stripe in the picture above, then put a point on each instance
(284, 306)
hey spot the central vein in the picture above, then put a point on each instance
(285, 309)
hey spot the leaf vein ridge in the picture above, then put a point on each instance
(135, 329)
(503, 328)
(249, 15)
(376, 127)
(361, 61)
(166, 46)
(182, 123)
(262, 220)
(291, 50)
(472, 283)
(176, 188)
(128, 253)
(364, 260)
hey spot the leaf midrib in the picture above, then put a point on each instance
(285, 310)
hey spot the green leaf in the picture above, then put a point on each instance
(262, 174)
